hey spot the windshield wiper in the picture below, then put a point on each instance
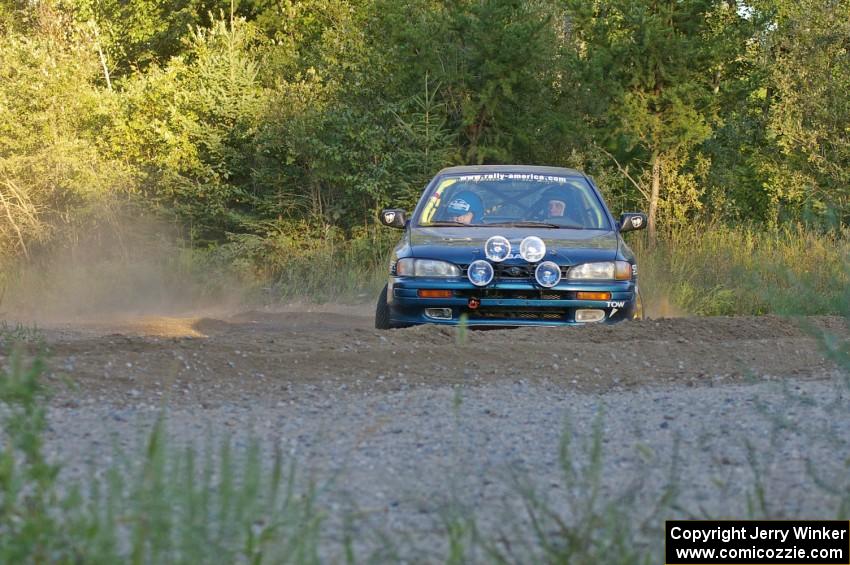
(447, 223)
(533, 224)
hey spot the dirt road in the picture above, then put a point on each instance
(263, 354)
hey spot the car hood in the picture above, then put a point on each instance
(463, 245)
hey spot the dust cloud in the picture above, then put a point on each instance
(129, 269)
(661, 307)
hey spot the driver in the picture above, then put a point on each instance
(465, 207)
(553, 203)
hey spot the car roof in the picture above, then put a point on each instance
(539, 169)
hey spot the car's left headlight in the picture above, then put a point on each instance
(604, 271)
(426, 268)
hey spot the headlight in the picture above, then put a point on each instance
(547, 274)
(532, 249)
(426, 268)
(497, 248)
(480, 273)
(605, 271)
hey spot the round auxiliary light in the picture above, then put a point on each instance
(480, 273)
(532, 249)
(497, 248)
(547, 274)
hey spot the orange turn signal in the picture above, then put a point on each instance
(583, 295)
(424, 293)
(622, 270)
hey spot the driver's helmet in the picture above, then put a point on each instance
(555, 202)
(464, 202)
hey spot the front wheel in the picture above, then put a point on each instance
(638, 313)
(382, 311)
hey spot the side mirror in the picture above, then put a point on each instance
(393, 218)
(631, 221)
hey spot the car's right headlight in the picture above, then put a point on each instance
(426, 268)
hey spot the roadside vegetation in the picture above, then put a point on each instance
(696, 269)
(745, 270)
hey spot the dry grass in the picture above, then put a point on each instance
(719, 270)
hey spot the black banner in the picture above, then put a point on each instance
(757, 542)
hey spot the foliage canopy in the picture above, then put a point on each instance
(256, 119)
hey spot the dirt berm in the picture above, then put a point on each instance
(264, 354)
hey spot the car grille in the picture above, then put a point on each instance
(517, 314)
(537, 294)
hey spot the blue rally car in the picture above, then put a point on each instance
(500, 245)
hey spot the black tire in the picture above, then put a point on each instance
(382, 311)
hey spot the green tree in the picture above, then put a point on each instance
(495, 62)
(807, 60)
(52, 171)
(653, 72)
(189, 128)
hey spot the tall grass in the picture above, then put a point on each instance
(17, 333)
(695, 269)
(173, 506)
(312, 264)
(721, 270)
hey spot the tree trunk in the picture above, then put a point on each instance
(101, 54)
(653, 195)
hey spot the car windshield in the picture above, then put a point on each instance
(513, 200)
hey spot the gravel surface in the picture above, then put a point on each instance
(392, 447)
(404, 425)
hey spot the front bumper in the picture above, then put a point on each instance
(514, 303)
